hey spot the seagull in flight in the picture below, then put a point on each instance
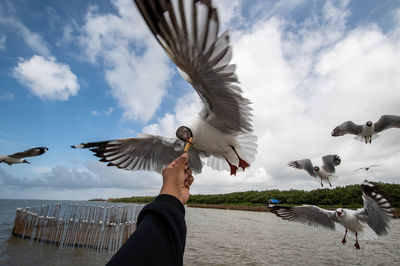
(222, 132)
(369, 129)
(325, 172)
(366, 168)
(366, 223)
(19, 156)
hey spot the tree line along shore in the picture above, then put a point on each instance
(347, 196)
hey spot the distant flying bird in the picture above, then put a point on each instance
(366, 223)
(366, 168)
(369, 129)
(188, 32)
(19, 156)
(325, 172)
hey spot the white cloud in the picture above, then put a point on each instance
(136, 67)
(186, 109)
(46, 78)
(32, 39)
(228, 10)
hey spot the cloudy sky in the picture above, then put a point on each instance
(77, 71)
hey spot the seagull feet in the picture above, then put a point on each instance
(243, 163)
(344, 240)
(233, 167)
(357, 245)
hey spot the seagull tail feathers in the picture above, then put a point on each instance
(246, 149)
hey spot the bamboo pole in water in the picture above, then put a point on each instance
(73, 225)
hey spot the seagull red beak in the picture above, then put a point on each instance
(339, 213)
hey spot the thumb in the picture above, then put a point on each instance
(181, 160)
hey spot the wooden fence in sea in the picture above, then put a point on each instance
(76, 225)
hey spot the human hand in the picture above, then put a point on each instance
(177, 178)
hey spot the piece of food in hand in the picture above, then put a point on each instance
(188, 145)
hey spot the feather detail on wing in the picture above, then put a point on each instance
(309, 215)
(217, 163)
(29, 153)
(386, 122)
(329, 162)
(347, 127)
(148, 152)
(304, 164)
(377, 211)
(188, 32)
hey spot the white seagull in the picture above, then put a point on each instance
(19, 156)
(369, 129)
(366, 168)
(325, 172)
(188, 32)
(366, 223)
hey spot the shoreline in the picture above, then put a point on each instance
(230, 207)
(251, 208)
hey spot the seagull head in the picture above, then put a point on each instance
(25, 161)
(340, 212)
(316, 168)
(184, 133)
(368, 124)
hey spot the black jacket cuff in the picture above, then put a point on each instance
(171, 200)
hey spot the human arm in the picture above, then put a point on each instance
(161, 228)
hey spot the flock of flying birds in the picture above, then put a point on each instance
(362, 132)
(222, 133)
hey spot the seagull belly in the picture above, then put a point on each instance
(323, 174)
(208, 138)
(350, 221)
(367, 131)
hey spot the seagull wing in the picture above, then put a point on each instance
(188, 32)
(377, 211)
(29, 153)
(329, 162)
(366, 168)
(386, 122)
(148, 152)
(304, 164)
(309, 215)
(347, 127)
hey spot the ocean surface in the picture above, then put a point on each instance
(219, 237)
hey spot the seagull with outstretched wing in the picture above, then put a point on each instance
(188, 32)
(366, 168)
(19, 156)
(369, 129)
(366, 223)
(325, 172)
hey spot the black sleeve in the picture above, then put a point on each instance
(159, 238)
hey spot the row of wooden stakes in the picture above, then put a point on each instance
(96, 227)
